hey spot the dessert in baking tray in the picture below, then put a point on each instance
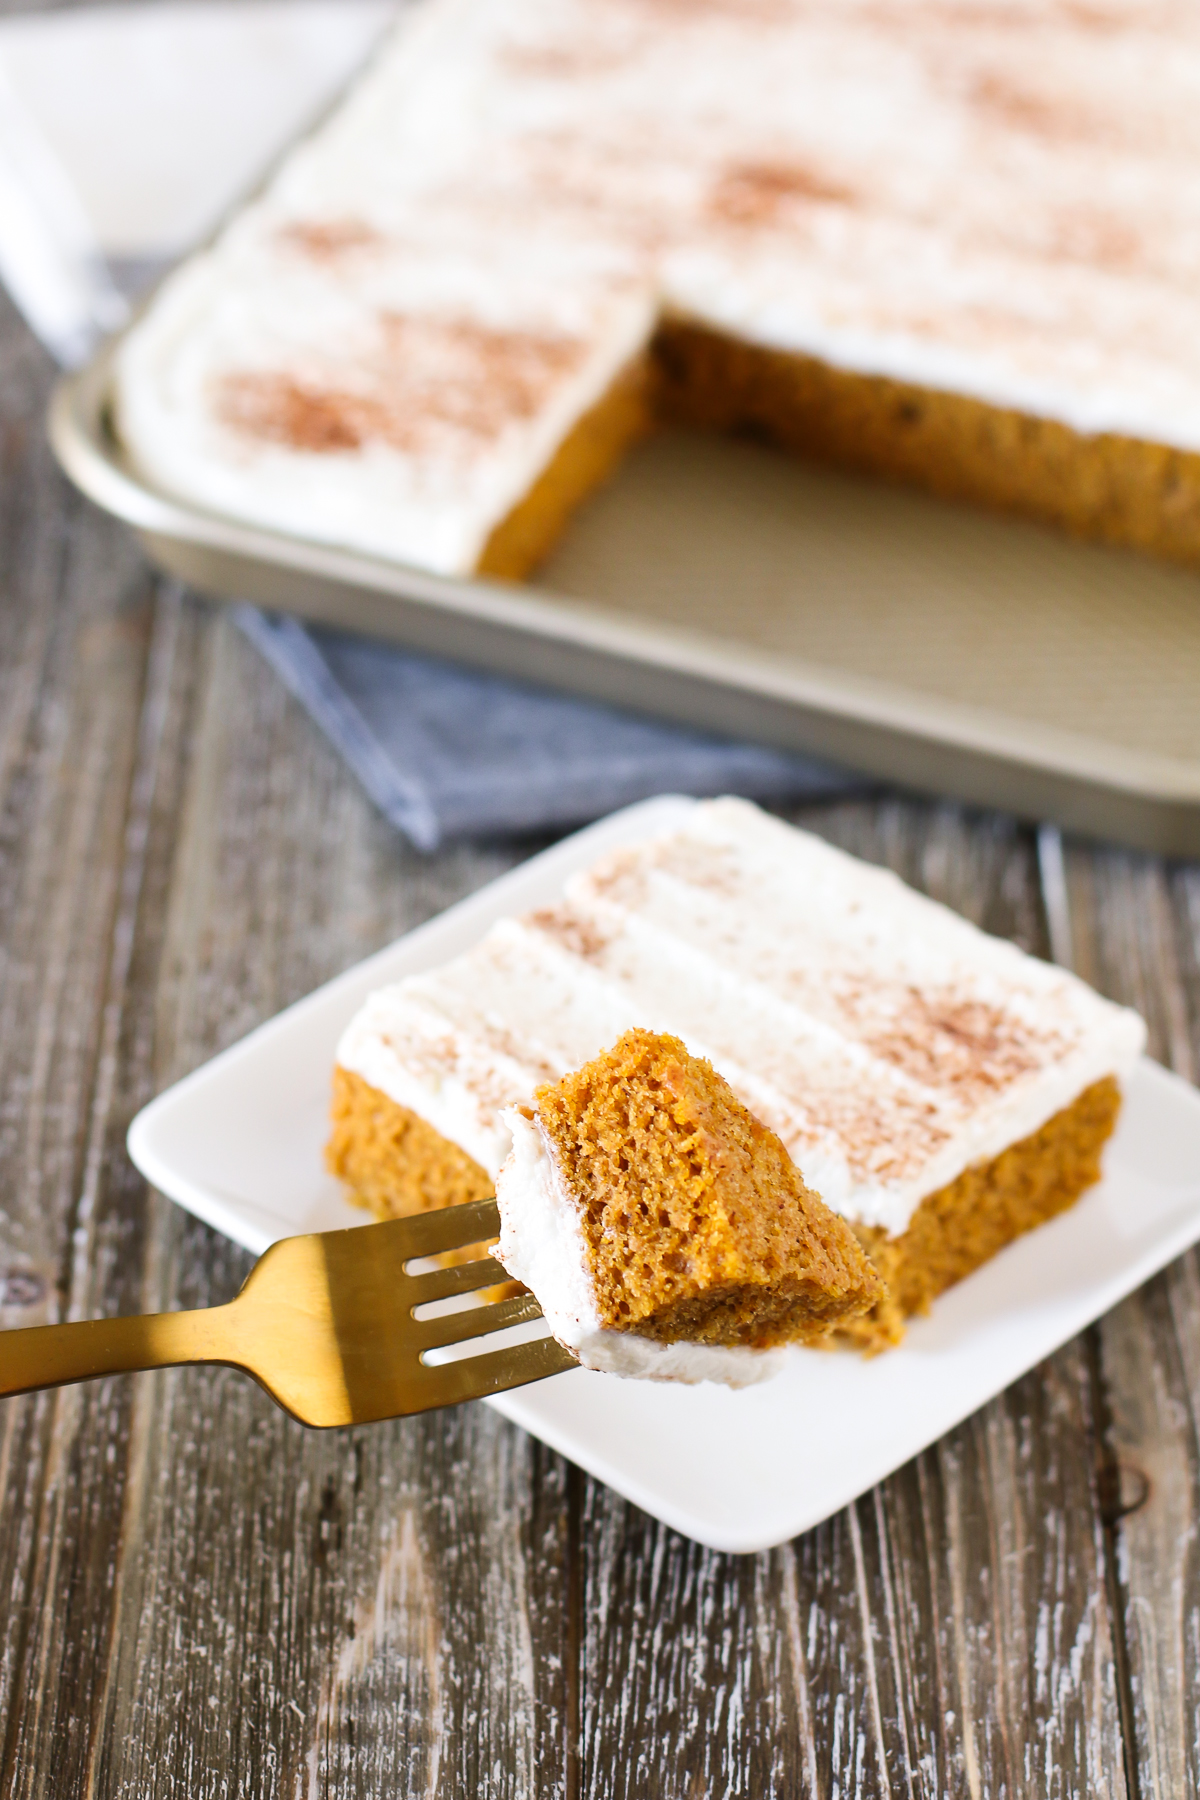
(938, 1088)
(666, 1230)
(949, 242)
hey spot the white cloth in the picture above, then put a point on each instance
(126, 132)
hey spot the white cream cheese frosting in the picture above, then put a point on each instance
(542, 1245)
(890, 1043)
(386, 347)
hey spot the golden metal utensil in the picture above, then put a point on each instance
(326, 1324)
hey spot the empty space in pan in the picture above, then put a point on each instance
(735, 541)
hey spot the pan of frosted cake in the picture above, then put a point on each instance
(937, 1089)
(537, 295)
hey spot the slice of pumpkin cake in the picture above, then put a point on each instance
(942, 1090)
(666, 1230)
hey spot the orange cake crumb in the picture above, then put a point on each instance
(698, 1225)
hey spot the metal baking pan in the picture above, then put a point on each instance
(716, 582)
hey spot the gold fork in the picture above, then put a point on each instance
(326, 1324)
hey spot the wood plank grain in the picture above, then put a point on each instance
(989, 1560)
(686, 1682)
(1135, 922)
(367, 1613)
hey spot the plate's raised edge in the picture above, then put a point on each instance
(531, 883)
(515, 1406)
(80, 442)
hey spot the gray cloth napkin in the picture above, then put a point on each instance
(446, 751)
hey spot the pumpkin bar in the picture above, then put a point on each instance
(940, 1089)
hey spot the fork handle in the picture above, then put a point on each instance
(43, 1356)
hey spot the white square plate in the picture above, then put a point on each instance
(239, 1143)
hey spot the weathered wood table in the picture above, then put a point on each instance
(199, 1598)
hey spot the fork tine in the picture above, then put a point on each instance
(462, 1278)
(474, 1377)
(479, 1321)
(453, 1228)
